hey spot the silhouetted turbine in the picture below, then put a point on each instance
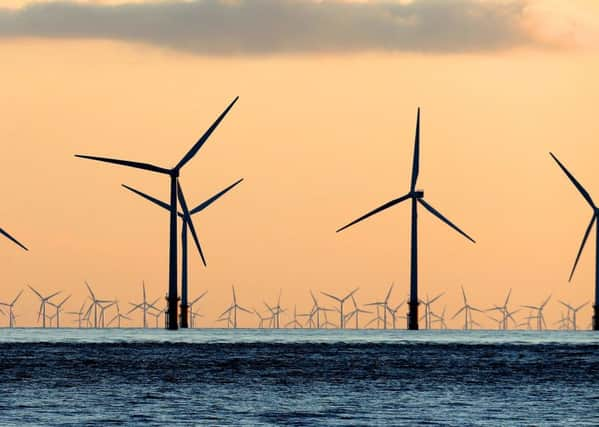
(187, 223)
(58, 307)
(467, 309)
(341, 301)
(384, 304)
(540, 318)
(573, 310)
(417, 196)
(173, 173)
(11, 314)
(594, 220)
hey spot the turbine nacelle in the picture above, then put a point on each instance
(418, 194)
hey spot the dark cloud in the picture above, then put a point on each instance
(248, 27)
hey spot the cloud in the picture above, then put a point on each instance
(251, 27)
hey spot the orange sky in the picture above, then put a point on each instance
(320, 140)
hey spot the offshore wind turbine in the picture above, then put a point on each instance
(43, 301)
(467, 309)
(79, 314)
(95, 304)
(58, 307)
(573, 310)
(427, 309)
(355, 313)
(233, 309)
(504, 311)
(341, 301)
(417, 197)
(192, 314)
(385, 305)
(539, 316)
(186, 225)
(175, 194)
(12, 239)
(11, 313)
(594, 221)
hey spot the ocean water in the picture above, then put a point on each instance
(298, 377)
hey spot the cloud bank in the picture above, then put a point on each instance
(254, 27)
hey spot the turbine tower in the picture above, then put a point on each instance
(416, 196)
(187, 224)
(594, 220)
(175, 192)
(9, 237)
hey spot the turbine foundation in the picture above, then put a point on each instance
(595, 318)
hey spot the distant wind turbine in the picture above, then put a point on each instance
(96, 303)
(417, 196)
(467, 309)
(175, 193)
(233, 309)
(43, 301)
(541, 324)
(11, 314)
(594, 220)
(341, 301)
(58, 308)
(355, 313)
(384, 304)
(427, 309)
(79, 314)
(192, 313)
(573, 310)
(187, 224)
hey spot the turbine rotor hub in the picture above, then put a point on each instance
(418, 194)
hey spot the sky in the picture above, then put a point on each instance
(322, 133)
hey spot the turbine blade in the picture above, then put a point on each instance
(416, 162)
(19, 294)
(211, 200)
(437, 297)
(138, 165)
(90, 291)
(36, 292)
(581, 306)
(377, 210)
(580, 188)
(244, 309)
(584, 241)
(198, 298)
(9, 237)
(389, 292)
(204, 137)
(445, 220)
(508, 297)
(148, 197)
(458, 312)
(187, 218)
(331, 296)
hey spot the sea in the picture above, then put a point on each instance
(267, 377)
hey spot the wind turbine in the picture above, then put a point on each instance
(341, 301)
(594, 220)
(95, 304)
(186, 225)
(427, 308)
(58, 307)
(378, 319)
(539, 309)
(276, 311)
(43, 301)
(79, 314)
(440, 318)
(417, 196)
(11, 313)
(175, 194)
(233, 309)
(11, 238)
(193, 315)
(573, 310)
(144, 306)
(355, 313)
(393, 312)
(385, 305)
(261, 319)
(118, 317)
(295, 323)
(504, 311)
(315, 311)
(467, 309)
